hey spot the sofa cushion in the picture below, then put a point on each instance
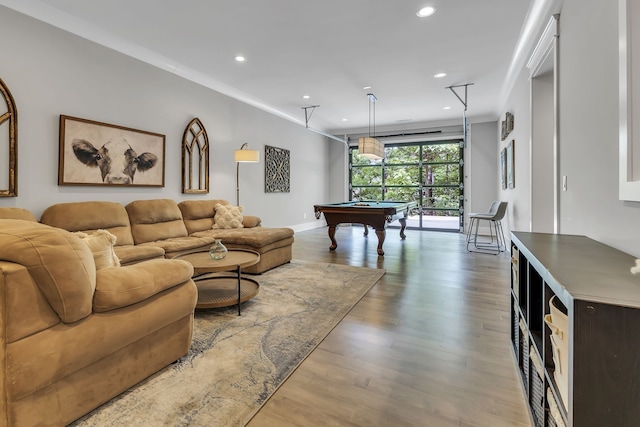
(59, 262)
(250, 221)
(179, 245)
(89, 217)
(101, 245)
(198, 214)
(227, 216)
(131, 254)
(16, 213)
(258, 238)
(155, 220)
(119, 287)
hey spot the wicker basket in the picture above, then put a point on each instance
(536, 396)
(524, 352)
(515, 284)
(516, 331)
(554, 418)
(559, 326)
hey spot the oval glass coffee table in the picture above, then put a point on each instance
(222, 291)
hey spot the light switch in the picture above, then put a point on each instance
(564, 183)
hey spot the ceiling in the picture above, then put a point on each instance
(326, 49)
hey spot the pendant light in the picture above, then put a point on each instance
(369, 146)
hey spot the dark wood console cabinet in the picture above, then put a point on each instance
(602, 301)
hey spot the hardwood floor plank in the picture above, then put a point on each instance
(427, 346)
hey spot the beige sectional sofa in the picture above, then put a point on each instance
(273, 244)
(73, 334)
(147, 229)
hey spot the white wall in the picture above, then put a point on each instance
(589, 127)
(481, 171)
(51, 72)
(588, 139)
(519, 197)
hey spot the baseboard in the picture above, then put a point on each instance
(308, 226)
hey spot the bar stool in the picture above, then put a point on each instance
(494, 215)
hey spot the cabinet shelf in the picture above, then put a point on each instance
(600, 382)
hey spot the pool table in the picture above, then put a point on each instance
(375, 214)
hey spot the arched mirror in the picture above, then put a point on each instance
(8, 144)
(195, 159)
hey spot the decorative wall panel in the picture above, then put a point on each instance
(276, 170)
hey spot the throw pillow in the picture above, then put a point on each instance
(101, 244)
(227, 216)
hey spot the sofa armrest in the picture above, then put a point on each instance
(25, 311)
(118, 287)
(250, 221)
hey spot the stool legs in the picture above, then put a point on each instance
(486, 247)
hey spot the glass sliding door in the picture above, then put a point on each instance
(429, 173)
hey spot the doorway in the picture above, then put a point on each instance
(544, 133)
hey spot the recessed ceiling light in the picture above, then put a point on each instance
(426, 11)
(440, 75)
(306, 96)
(366, 87)
(345, 120)
(240, 58)
(446, 108)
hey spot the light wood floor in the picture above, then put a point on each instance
(427, 346)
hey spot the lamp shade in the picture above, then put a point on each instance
(246, 155)
(370, 148)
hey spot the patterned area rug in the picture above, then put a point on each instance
(236, 363)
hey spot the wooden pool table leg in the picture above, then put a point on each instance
(381, 235)
(332, 233)
(403, 225)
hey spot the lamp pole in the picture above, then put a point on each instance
(244, 154)
(245, 145)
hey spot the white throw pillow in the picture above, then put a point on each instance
(227, 216)
(101, 244)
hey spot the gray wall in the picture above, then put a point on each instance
(51, 72)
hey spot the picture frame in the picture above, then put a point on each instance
(8, 143)
(277, 162)
(509, 122)
(511, 165)
(102, 154)
(195, 158)
(503, 168)
(506, 126)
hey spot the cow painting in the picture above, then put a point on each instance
(102, 154)
(116, 160)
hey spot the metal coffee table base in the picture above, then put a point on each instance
(216, 291)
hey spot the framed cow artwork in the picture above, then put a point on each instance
(94, 153)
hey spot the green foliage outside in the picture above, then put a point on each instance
(427, 174)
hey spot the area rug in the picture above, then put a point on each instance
(236, 362)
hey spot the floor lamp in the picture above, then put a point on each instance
(243, 155)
